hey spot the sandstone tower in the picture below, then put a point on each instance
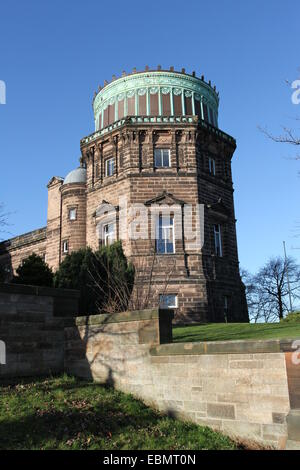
(156, 148)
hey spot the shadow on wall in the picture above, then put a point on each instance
(110, 348)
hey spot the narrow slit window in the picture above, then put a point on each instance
(212, 166)
(218, 240)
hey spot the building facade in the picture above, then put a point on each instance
(156, 173)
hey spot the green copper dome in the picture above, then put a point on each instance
(155, 93)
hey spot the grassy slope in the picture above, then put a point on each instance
(64, 413)
(236, 331)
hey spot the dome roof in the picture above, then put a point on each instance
(76, 176)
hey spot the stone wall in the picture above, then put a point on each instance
(32, 328)
(13, 251)
(239, 387)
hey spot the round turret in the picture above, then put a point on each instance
(73, 211)
(155, 93)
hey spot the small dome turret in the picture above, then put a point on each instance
(76, 176)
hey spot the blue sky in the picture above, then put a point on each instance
(53, 55)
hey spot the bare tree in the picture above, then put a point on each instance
(3, 219)
(289, 136)
(268, 290)
(121, 295)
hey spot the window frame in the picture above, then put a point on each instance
(212, 166)
(161, 151)
(65, 246)
(107, 161)
(69, 214)
(106, 235)
(218, 246)
(160, 228)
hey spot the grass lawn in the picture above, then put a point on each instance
(65, 413)
(236, 331)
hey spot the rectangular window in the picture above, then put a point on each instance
(188, 105)
(105, 117)
(111, 113)
(212, 166)
(162, 158)
(166, 104)
(198, 108)
(109, 167)
(177, 104)
(121, 109)
(65, 246)
(143, 105)
(131, 106)
(168, 301)
(72, 213)
(154, 109)
(165, 242)
(218, 240)
(108, 234)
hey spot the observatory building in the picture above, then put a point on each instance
(155, 174)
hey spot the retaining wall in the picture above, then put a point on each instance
(245, 389)
(238, 387)
(32, 328)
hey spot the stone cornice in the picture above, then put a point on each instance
(159, 121)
